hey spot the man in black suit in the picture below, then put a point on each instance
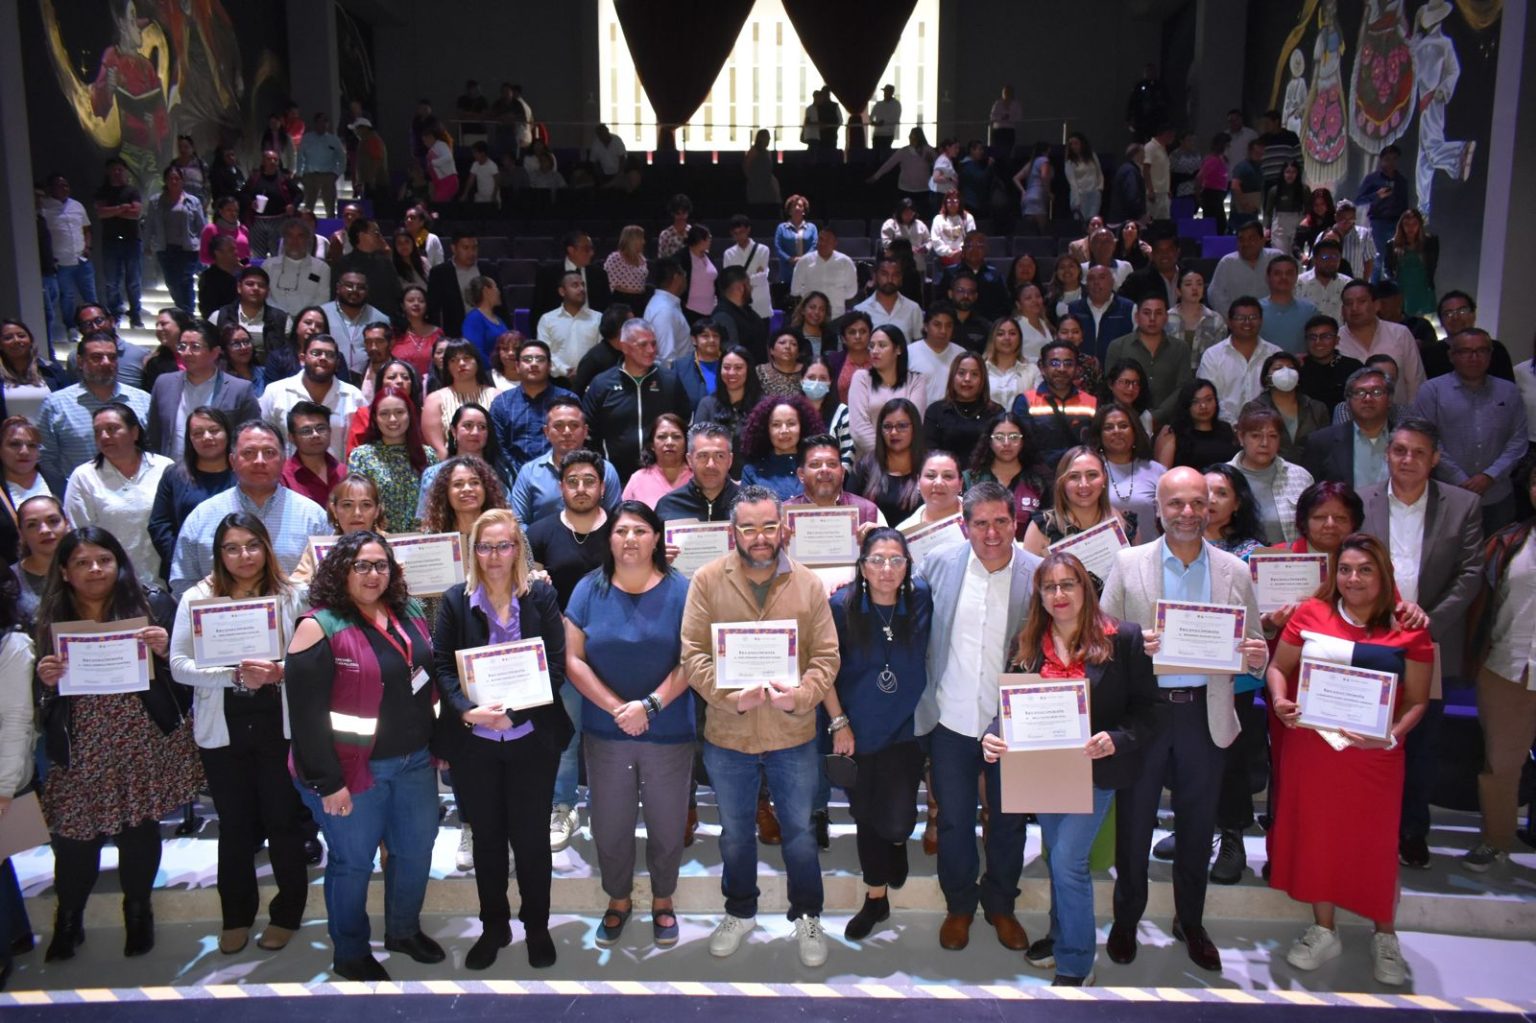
(578, 258)
(448, 282)
(1331, 453)
(1161, 275)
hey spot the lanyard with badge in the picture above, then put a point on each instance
(418, 675)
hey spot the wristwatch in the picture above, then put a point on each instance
(837, 724)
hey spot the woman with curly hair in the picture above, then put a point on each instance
(393, 454)
(464, 487)
(361, 710)
(771, 443)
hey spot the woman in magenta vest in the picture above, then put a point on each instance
(360, 702)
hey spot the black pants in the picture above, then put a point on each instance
(1420, 764)
(1182, 744)
(254, 795)
(509, 789)
(884, 805)
(1213, 207)
(1246, 757)
(77, 864)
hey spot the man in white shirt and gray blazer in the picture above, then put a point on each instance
(981, 592)
(1196, 720)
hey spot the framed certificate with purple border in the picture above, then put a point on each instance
(1199, 638)
(756, 653)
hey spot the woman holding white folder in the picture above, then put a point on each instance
(240, 722)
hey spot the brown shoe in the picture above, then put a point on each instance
(233, 939)
(1010, 933)
(767, 824)
(931, 836)
(275, 938)
(693, 825)
(955, 934)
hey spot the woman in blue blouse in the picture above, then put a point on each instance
(795, 237)
(771, 442)
(202, 472)
(482, 325)
(882, 621)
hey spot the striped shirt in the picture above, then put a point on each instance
(291, 519)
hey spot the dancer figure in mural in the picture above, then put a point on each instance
(1293, 111)
(1436, 70)
(1381, 87)
(1324, 143)
(131, 82)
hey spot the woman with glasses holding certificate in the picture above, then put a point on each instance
(1339, 790)
(240, 723)
(504, 758)
(1066, 636)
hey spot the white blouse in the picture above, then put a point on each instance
(121, 505)
(1007, 384)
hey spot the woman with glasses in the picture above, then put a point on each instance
(361, 712)
(202, 472)
(1005, 455)
(505, 760)
(116, 489)
(888, 474)
(392, 454)
(240, 357)
(622, 635)
(240, 722)
(883, 623)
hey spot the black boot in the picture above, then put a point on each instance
(68, 934)
(139, 927)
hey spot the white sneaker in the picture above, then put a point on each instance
(464, 859)
(812, 940)
(563, 824)
(729, 934)
(1314, 948)
(1387, 958)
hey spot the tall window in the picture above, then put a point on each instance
(766, 83)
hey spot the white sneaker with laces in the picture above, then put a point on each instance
(464, 859)
(1314, 948)
(729, 934)
(563, 824)
(812, 940)
(1387, 959)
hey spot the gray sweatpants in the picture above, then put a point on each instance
(625, 779)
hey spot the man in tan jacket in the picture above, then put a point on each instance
(763, 729)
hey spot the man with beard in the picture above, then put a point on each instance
(66, 416)
(971, 328)
(317, 383)
(888, 306)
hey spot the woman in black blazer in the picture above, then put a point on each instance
(1066, 636)
(504, 762)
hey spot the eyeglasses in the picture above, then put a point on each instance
(1246, 318)
(320, 353)
(190, 348)
(1461, 310)
(1322, 337)
(886, 561)
(1368, 392)
(94, 321)
(233, 550)
(1067, 587)
(770, 531)
(1480, 353)
(313, 431)
(503, 548)
(366, 567)
(902, 427)
(582, 482)
(533, 360)
(241, 342)
(1007, 438)
(1061, 363)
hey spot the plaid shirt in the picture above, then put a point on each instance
(519, 425)
(290, 518)
(65, 422)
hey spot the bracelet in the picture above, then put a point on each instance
(1393, 744)
(837, 724)
(652, 705)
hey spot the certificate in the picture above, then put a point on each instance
(1095, 547)
(1045, 715)
(699, 543)
(755, 653)
(512, 676)
(1199, 638)
(1281, 579)
(320, 546)
(432, 562)
(101, 658)
(823, 536)
(1351, 699)
(226, 632)
(924, 539)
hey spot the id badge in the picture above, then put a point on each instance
(418, 680)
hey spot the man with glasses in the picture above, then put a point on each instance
(1057, 411)
(291, 518)
(201, 382)
(536, 491)
(1323, 285)
(1355, 451)
(1483, 429)
(349, 315)
(1458, 312)
(299, 277)
(65, 418)
(1234, 363)
(1324, 371)
(315, 382)
(130, 358)
(518, 415)
(311, 470)
(767, 728)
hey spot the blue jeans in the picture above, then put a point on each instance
(1381, 233)
(569, 774)
(58, 329)
(401, 810)
(179, 267)
(957, 762)
(1068, 838)
(77, 287)
(792, 784)
(123, 264)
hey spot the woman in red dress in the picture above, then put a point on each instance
(1334, 838)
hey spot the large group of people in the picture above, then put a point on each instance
(363, 389)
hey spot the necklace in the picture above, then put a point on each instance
(887, 679)
(1115, 484)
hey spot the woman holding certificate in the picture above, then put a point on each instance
(361, 710)
(504, 757)
(1005, 455)
(116, 489)
(883, 622)
(772, 442)
(623, 636)
(393, 456)
(1339, 794)
(1066, 636)
(241, 724)
(1081, 502)
(120, 753)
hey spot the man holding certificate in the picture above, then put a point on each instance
(760, 648)
(1197, 720)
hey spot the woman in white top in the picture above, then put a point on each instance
(940, 484)
(905, 223)
(1029, 316)
(1191, 320)
(469, 381)
(947, 235)
(1008, 374)
(887, 377)
(1117, 434)
(1085, 177)
(116, 490)
(21, 443)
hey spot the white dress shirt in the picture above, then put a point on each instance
(1236, 379)
(755, 258)
(569, 337)
(837, 278)
(297, 283)
(121, 505)
(1405, 523)
(1121, 269)
(342, 399)
(906, 315)
(665, 313)
(978, 650)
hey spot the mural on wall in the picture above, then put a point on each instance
(135, 74)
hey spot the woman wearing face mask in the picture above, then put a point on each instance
(816, 385)
(1280, 374)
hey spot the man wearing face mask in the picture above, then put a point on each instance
(1234, 364)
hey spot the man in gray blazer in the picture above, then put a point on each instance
(980, 594)
(1434, 532)
(201, 383)
(1196, 720)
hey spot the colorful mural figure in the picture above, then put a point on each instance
(131, 85)
(1382, 87)
(1436, 70)
(1294, 110)
(1324, 141)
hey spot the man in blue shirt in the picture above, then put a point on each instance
(518, 415)
(1285, 315)
(536, 492)
(1385, 191)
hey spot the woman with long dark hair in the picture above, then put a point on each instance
(941, 485)
(283, 359)
(1117, 435)
(1285, 202)
(1005, 454)
(958, 422)
(736, 395)
(202, 472)
(1080, 501)
(888, 474)
(393, 454)
(1195, 435)
(853, 333)
(888, 376)
(117, 763)
(469, 382)
(42, 524)
(116, 489)
(27, 372)
(470, 432)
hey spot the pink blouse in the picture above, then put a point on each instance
(624, 275)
